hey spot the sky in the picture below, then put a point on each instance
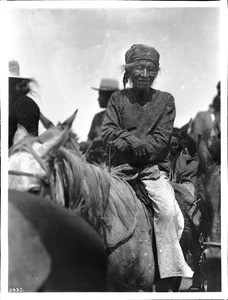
(68, 51)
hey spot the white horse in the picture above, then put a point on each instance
(41, 166)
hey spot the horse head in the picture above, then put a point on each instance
(71, 142)
(29, 157)
(45, 121)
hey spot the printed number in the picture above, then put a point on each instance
(16, 290)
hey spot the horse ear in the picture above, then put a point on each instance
(50, 146)
(45, 121)
(68, 122)
(189, 129)
(20, 134)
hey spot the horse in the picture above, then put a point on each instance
(72, 140)
(51, 249)
(106, 201)
(208, 196)
(210, 192)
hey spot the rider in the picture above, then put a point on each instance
(23, 109)
(94, 142)
(183, 168)
(137, 129)
(207, 123)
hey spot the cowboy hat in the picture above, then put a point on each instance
(14, 70)
(108, 84)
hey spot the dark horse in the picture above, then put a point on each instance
(51, 249)
(210, 192)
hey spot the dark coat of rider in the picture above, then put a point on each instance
(136, 131)
(94, 145)
(146, 127)
(23, 109)
(26, 112)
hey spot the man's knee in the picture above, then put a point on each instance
(168, 213)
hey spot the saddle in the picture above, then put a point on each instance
(191, 212)
(131, 175)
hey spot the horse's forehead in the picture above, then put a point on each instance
(24, 161)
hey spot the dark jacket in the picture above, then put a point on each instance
(26, 112)
(149, 125)
(95, 129)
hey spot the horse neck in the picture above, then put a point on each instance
(86, 187)
(213, 195)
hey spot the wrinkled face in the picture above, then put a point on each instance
(143, 74)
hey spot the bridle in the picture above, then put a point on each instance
(211, 244)
(45, 180)
(48, 181)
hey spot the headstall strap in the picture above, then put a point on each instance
(212, 244)
(40, 161)
(20, 173)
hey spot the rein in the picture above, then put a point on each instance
(110, 247)
(20, 173)
(211, 244)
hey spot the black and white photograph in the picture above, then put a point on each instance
(113, 139)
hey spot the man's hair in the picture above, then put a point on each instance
(21, 86)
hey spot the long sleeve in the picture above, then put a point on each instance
(148, 127)
(112, 127)
(157, 139)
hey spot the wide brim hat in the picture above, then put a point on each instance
(14, 70)
(107, 84)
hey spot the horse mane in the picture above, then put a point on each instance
(88, 186)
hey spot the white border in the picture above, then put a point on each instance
(4, 139)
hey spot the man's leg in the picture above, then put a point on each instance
(168, 225)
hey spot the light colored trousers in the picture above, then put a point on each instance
(168, 225)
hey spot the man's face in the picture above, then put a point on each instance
(143, 74)
(174, 146)
(103, 98)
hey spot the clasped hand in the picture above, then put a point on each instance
(119, 144)
(139, 147)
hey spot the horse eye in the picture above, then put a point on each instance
(35, 191)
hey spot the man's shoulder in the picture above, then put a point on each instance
(99, 114)
(119, 94)
(162, 93)
(203, 113)
(98, 117)
(28, 102)
(26, 105)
